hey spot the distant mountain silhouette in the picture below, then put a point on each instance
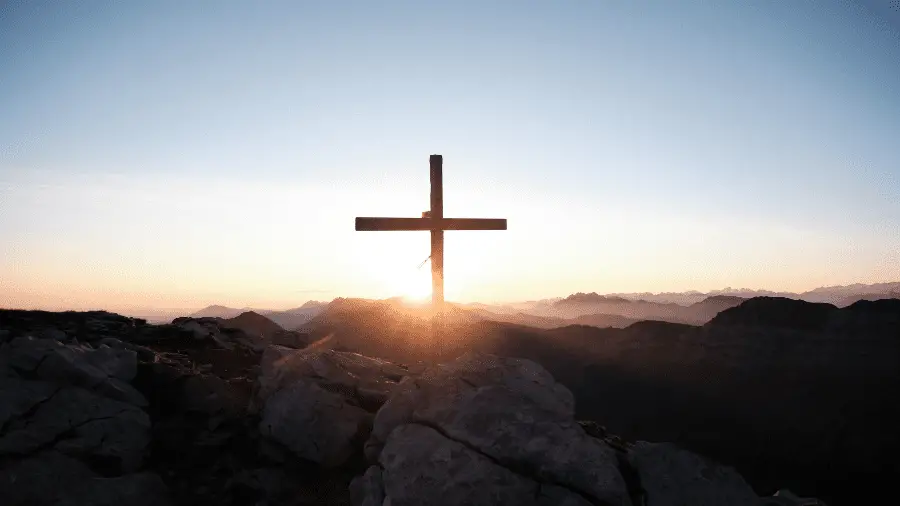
(581, 304)
(783, 313)
(289, 319)
(217, 311)
(837, 295)
(292, 319)
(254, 324)
(779, 313)
(603, 310)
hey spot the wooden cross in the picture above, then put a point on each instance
(434, 221)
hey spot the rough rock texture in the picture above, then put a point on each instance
(68, 437)
(671, 476)
(368, 380)
(421, 465)
(100, 410)
(72, 428)
(105, 371)
(507, 419)
(314, 423)
(320, 403)
(75, 422)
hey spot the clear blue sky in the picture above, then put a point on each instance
(175, 154)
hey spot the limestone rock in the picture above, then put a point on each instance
(368, 489)
(315, 424)
(209, 394)
(75, 421)
(364, 381)
(142, 352)
(422, 466)
(671, 476)
(508, 411)
(102, 370)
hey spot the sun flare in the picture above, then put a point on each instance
(415, 285)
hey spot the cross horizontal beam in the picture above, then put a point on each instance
(372, 224)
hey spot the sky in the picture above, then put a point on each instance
(174, 154)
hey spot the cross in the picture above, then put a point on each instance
(434, 221)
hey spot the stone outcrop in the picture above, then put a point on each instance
(73, 430)
(101, 410)
(320, 403)
(671, 476)
(485, 425)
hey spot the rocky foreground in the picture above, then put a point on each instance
(99, 409)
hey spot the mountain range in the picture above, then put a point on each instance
(289, 319)
(616, 310)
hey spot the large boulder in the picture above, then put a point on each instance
(364, 381)
(671, 476)
(105, 371)
(317, 425)
(320, 403)
(488, 430)
(423, 466)
(37, 415)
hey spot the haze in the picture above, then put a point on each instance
(178, 154)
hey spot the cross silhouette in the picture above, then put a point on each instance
(434, 221)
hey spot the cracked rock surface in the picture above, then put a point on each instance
(97, 409)
(497, 431)
(671, 476)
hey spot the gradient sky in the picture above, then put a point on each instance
(178, 154)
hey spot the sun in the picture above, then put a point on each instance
(414, 285)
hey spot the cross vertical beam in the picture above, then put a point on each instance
(437, 236)
(436, 163)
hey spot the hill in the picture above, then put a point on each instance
(217, 311)
(292, 319)
(253, 324)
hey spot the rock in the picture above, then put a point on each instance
(788, 498)
(671, 476)
(368, 489)
(199, 330)
(114, 362)
(50, 478)
(421, 466)
(99, 370)
(209, 394)
(364, 381)
(505, 413)
(75, 421)
(291, 339)
(140, 489)
(471, 371)
(17, 397)
(317, 425)
(142, 352)
(51, 333)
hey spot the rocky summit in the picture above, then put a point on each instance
(99, 409)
